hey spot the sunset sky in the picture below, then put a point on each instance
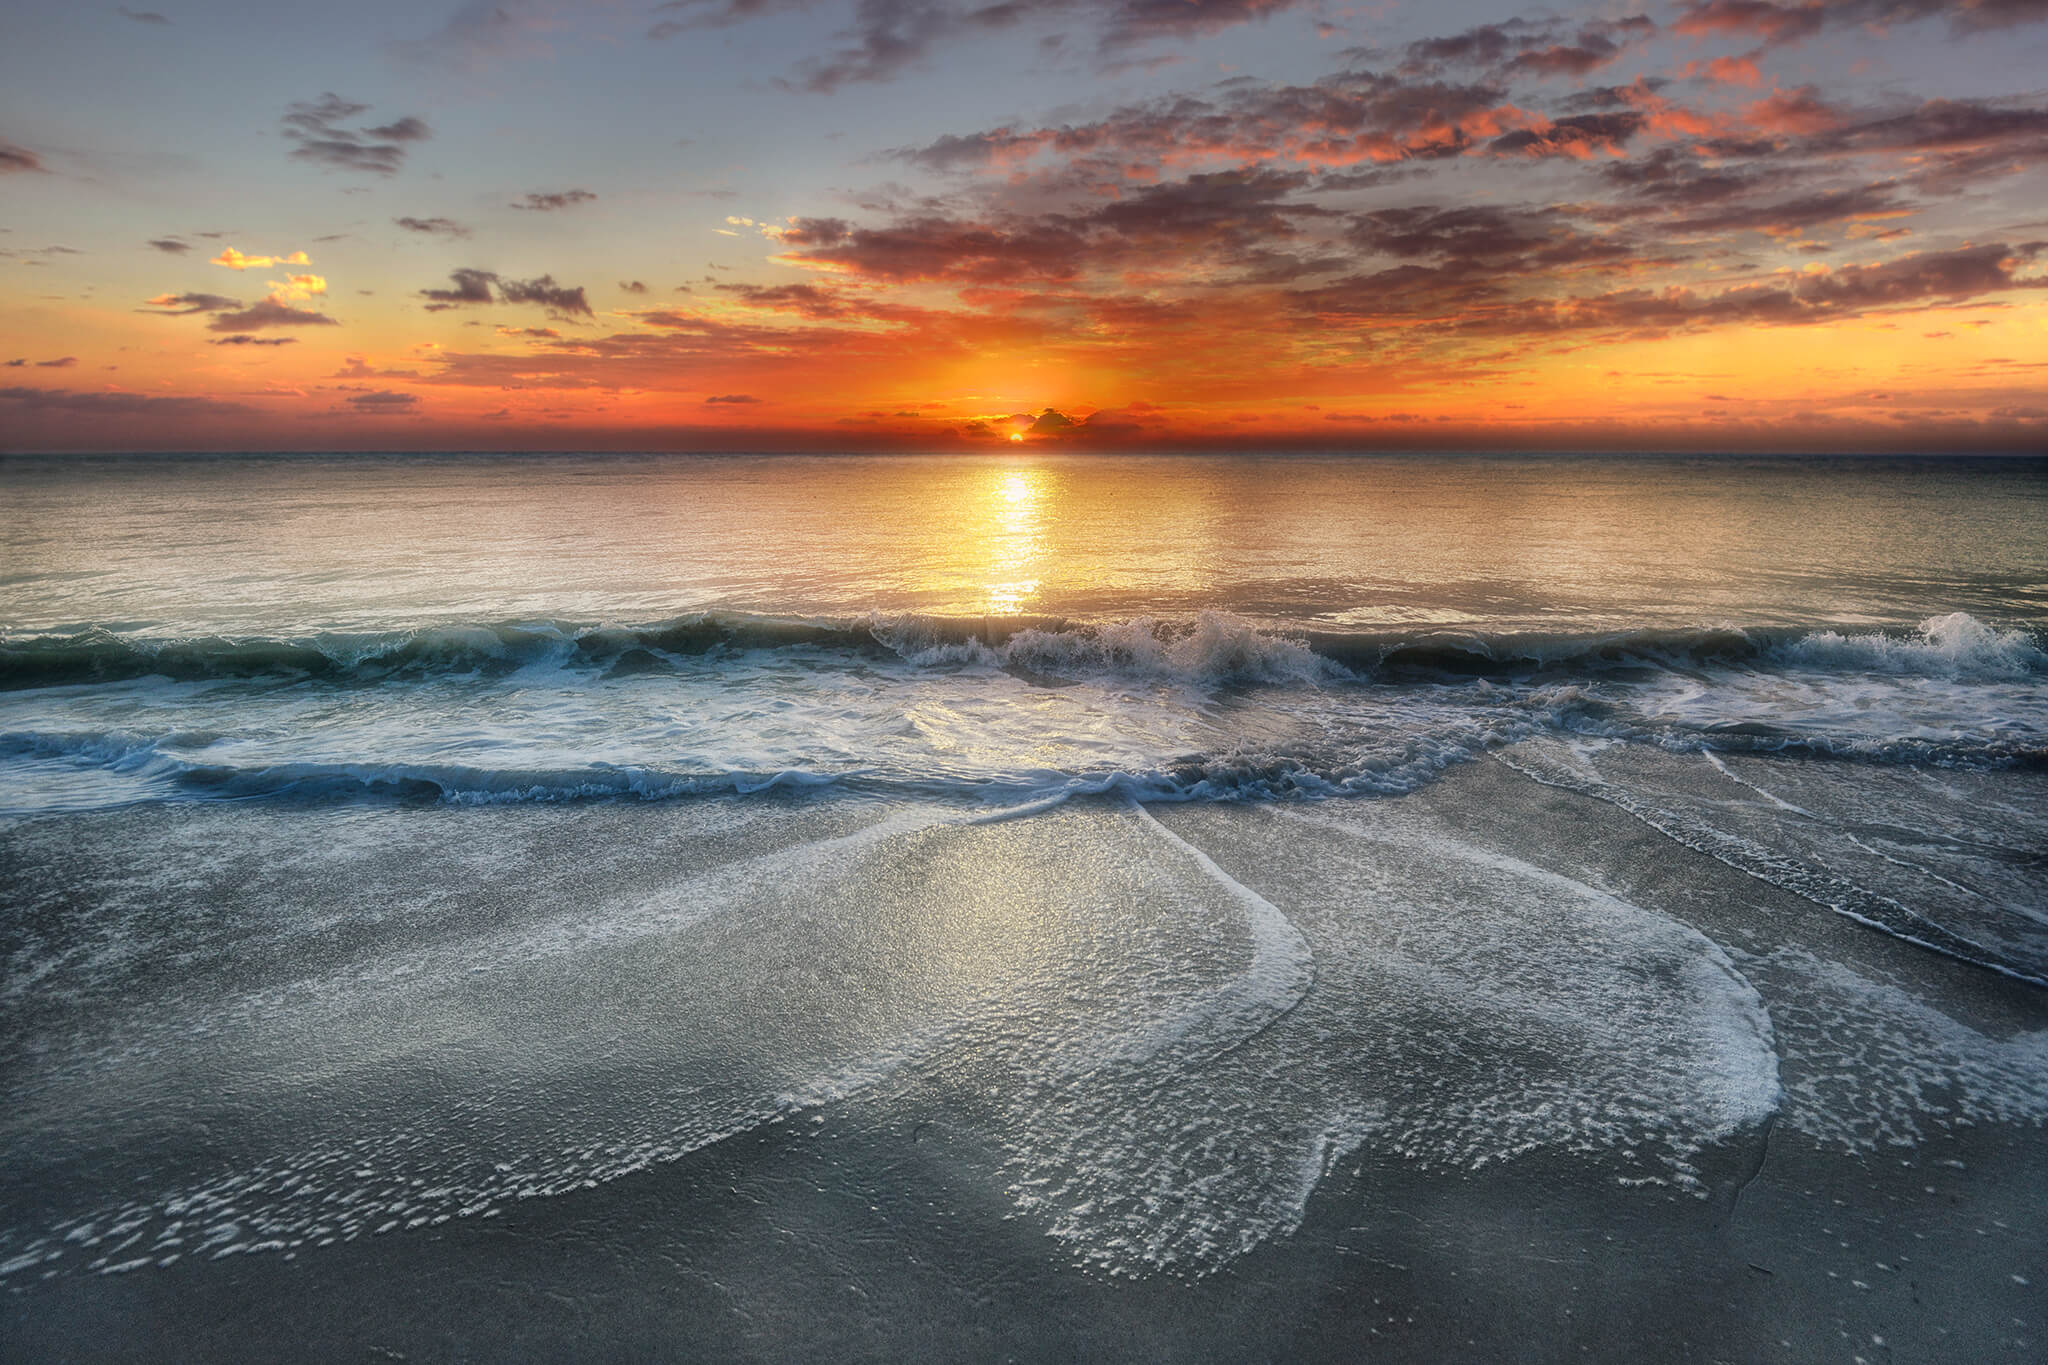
(922, 224)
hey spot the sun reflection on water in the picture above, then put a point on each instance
(1013, 531)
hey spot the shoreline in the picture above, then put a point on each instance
(884, 1222)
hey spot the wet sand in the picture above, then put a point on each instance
(1025, 1134)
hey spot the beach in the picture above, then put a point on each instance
(1603, 977)
(827, 1114)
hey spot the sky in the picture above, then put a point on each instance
(964, 224)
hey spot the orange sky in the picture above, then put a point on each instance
(1714, 224)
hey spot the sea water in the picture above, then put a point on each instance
(390, 840)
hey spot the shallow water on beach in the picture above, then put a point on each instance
(393, 843)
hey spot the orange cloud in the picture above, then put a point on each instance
(235, 260)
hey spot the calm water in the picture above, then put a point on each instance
(393, 842)
(287, 546)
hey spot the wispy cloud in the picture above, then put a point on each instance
(13, 159)
(266, 314)
(549, 201)
(184, 305)
(116, 404)
(888, 37)
(315, 128)
(433, 227)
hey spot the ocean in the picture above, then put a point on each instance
(1195, 907)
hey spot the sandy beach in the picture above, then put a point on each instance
(887, 1083)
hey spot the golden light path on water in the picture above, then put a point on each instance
(1012, 529)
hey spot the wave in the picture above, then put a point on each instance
(1957, 645)
(176, 766)
(1212, 648)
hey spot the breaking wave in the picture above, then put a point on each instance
(1212, 647)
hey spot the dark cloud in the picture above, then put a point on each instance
(183, 305)
(384, 400)
(934, 247)
(115, 404)
(547, 293)
(143, 16)
(433, 227)
(61, 363)
(474, 286)
(1344, 119)
(887, 37)
(407, 129)
(1781, 217)
(244, 339)
(471, 286)
(1458, 301)
(735, 398)
(13, 158)
(539, 202)
(1230, 217)
(265, 314)
(806, 299)
(1535, 47)
(316, 129)
(1510, 239)
(1579, 136)
(632, 286)
(1787, 23)
(170, 245)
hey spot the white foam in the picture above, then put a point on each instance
(1869, 1064)
(1957, 645)
(1280, 972)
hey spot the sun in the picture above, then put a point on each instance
(1016, 435)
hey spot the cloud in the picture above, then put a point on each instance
(888, 37)
(170, 245)
(1228, 216)
(13, 158)
(733, 398)
(184, 305)
(298, 288)
(474, 287)
(244, 339)
(1536, 47)
(433, 227)
(483, 32)
(1789, 23)
(548, 202)
(1348, 118)
(632, 287)
(62, 363)
(142, 16)
(471, 286)
(316, 129)
(384, 401)
(1455, 301)
(268, 313)
(806, 299)
(116, 404)
(547, 293)
(235, 260)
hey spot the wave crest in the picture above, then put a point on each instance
(1957, 645)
